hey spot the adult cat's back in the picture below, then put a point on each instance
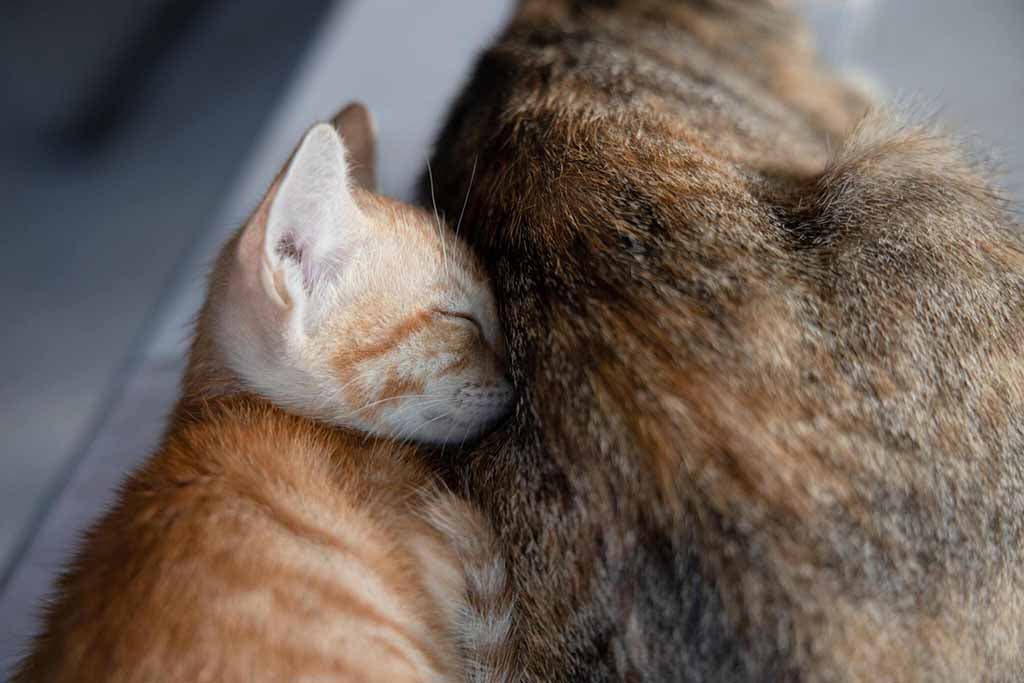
(767, 359)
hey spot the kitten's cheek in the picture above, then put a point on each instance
(489, 406)
(433, 414)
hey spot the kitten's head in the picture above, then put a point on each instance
(358, 310)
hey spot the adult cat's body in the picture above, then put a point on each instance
(258, 545)
(771, 415)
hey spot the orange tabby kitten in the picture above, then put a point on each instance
(258, 544)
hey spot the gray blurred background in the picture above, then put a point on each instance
(134, 130)
(123, 122)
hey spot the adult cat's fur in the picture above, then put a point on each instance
(771, 414)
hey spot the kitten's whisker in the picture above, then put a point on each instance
(402, 411)
(465, 201)
(465, 435)
(337, 392)
(401, 415)
(395, 398)
(437, 217)
(420, 426)
(447, 434)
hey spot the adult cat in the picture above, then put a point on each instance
(768, 353)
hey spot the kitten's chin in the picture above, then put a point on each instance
(440, 426)
(447, 430)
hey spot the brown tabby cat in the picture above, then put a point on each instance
(769, 357)
(261, 546)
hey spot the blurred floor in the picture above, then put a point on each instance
(91, 237)
(104, 183)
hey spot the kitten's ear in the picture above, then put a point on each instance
(359, 131)
(313, 221)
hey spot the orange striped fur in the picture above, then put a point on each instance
(258, 544)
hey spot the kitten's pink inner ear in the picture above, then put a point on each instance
(312, 215)
(359, 131)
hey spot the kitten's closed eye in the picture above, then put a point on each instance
(462, 372)
(468, 317)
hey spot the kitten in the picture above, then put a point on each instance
(767, 351)
(360, 311)
(260, 544)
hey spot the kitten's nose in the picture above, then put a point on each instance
(500, 353)
(504, 391)
(501, 358)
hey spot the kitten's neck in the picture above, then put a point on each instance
(207, 375)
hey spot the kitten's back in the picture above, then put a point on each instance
(258, 546)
